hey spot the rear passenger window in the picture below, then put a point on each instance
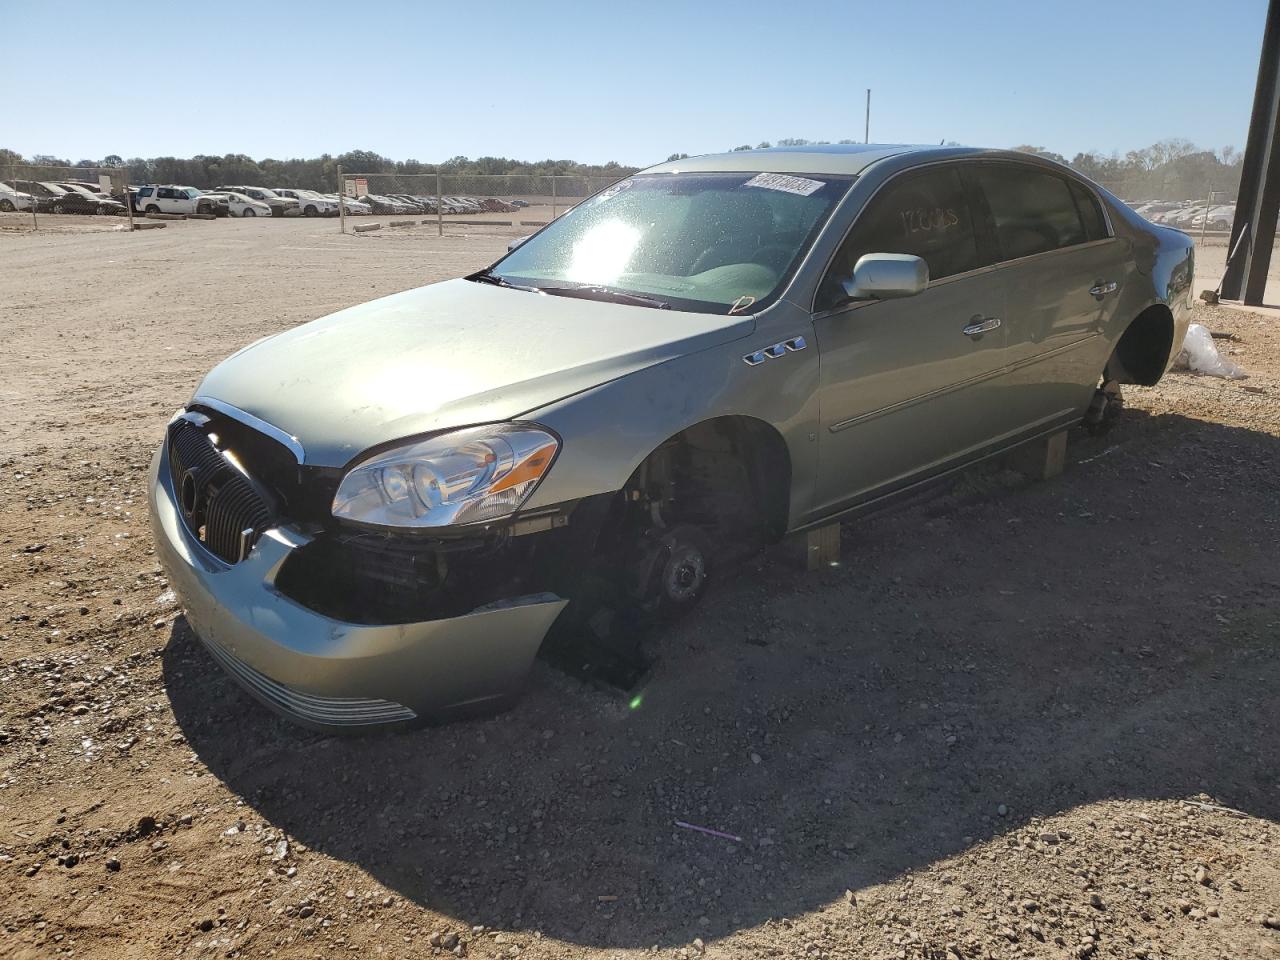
(1032, 211)
(924, 214)
(1095, 227)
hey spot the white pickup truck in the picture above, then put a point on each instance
(170, 198)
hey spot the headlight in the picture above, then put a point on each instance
(482, 473)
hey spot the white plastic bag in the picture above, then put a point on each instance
(1201, 356)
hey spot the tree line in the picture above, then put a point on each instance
(316, 173)
(1172, 169)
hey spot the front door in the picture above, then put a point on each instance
(909, 386)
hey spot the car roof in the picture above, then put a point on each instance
(831, 158)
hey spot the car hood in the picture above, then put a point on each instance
(447, 355)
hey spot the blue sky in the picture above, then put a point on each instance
(605, 81)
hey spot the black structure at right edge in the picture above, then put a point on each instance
(1259, 197)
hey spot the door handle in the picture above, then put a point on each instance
(980, 326)
(1101, 289)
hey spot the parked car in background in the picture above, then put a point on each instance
(86, 196)
(409, 203)
(83, 200)
(280, 206)
(1217, 218)
(354, 207)
(68, 200)
(384, 205)
(700, 360)
(12, 199)
(174, 198)
(41, 194)
(241, 205)
(310, 203)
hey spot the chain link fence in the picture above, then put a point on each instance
(508, 205)
(33, 196)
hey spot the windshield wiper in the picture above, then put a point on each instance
(605, 293)
(488, 276)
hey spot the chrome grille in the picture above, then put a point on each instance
(308, 707)
(218, 503)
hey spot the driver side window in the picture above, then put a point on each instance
(925, 214)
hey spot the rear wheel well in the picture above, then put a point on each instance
(1142, 354)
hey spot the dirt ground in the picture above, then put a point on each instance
(1019, 720)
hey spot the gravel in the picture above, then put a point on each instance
(1019, 720)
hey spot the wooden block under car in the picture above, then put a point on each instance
(1043, 458)
(816, 548)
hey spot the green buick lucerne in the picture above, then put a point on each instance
(381, 516)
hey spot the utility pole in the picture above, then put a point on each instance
(1258, 199)
(866, 133)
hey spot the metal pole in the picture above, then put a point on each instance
(1258, 196)
(1204, 224)
(553, 196)
(866, 131)
(342, 207)
(13, 178)
(128, 201)
(439, 208)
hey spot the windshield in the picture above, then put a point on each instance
(709, 242)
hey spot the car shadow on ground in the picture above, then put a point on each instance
(1037, 646)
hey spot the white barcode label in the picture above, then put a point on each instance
(780, 181)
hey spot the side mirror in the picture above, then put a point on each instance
(516, 242)
(887, 276)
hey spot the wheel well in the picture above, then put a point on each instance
(729, 473)
(1143, 351)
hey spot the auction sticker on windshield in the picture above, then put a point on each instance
(780, 181)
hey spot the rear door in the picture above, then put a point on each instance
(909, 386)
(1063, 271)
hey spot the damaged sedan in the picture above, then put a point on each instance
(382, 516)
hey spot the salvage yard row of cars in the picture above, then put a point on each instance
(242, 200)
(71, 196)
(1187, 214)
(234, 200)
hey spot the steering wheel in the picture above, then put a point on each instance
(717, 255)
(775, 256)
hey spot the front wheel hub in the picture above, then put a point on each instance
(684, 573)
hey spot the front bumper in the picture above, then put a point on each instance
(329, 674)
